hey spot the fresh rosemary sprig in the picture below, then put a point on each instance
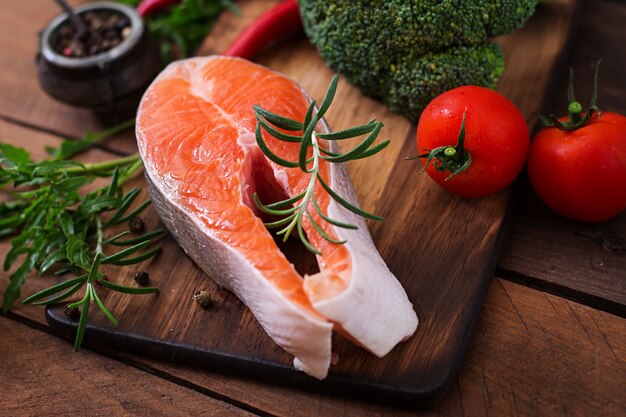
(295, 209)
(54, 226)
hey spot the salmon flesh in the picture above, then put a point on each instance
(195, 131)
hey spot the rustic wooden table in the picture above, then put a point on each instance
(551, 339)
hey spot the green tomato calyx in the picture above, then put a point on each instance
(575, 109)
(454, 159)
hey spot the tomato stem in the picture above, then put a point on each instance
(454, 159)
(575, 109)
(449, 151)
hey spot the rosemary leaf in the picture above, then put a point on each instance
(304, 240)
(349, 133)
(275, 212)
(82, 323)
(277, 133)
(328, 98)
(322, 232)
(134, 213)
(103, 308)
(280, 223)
(311, 152)
(273, 157)
(127, 201)
(148, 237)
(124, 253)
(345, 203)
(137, 259)
(359, 149)
(331, 220)
(61, 296)
(283, 203)
(54, 289)
(127, 290)
(278, 120)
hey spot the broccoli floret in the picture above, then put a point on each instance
(407, 52)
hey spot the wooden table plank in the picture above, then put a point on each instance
(585, 262)
(522, 344)
(22, 99)
(42, 377)
(468, 230)
(537, 337)
(534, 354)
(526, 341)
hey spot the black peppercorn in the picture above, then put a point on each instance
(202, 298)
(136, 225)
(142, 278)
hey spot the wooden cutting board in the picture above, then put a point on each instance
(443, 249)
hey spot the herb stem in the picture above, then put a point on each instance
(99, 235)
(131, 170)
(103, 166)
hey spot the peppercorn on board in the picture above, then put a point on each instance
(443, 249)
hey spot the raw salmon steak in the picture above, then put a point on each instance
(195, 130)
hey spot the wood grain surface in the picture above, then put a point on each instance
(39, 384)
(446, 253)
(533, 353)
(584, 262)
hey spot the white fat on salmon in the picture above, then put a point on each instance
(371, 307)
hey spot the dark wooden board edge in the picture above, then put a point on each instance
(107, 341)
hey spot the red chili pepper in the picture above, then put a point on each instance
(279, 22)
(148, 7)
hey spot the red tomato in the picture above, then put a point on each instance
(582, 174)
(496, 138)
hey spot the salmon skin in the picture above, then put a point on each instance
(195, 131)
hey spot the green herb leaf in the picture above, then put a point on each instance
(128, 290)
(137, 259)
(55, 289)
(148, 237)
(16, 156)
(124, 253)
(272, 156)
(61, 296)
(82, 323)
(12, 292)
(181, 28)
(70, 148)
(103, 308)
(56, 224)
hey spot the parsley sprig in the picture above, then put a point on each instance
(182, 27)
(56, 226)
(294, 210)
